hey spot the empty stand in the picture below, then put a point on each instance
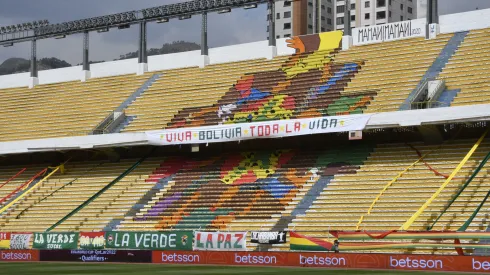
(393, 69)
(348, 197)
(62, 109)
(44, 207)
(321, 83)
(241, 191)
(468, 70)
(189, 87)
(306, 85)
(23, 176)
(112, 204)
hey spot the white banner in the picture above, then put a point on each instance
(20, 241)
(389, 32)
(220, 241)
(268, 129)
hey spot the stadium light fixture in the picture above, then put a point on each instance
(183, 17)
(122, 27)
(162, 20)
(42, 29)
(60, 37)
(22, 27)
(106, 29)
(225, 10)
(250, 6)
(8, 45)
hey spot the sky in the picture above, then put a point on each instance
(239, 26)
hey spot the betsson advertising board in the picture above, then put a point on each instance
(326, 260)
(19, 255)
(242, 258)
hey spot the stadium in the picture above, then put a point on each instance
(361, 151)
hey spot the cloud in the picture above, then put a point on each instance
(239, 26)
(454, 6)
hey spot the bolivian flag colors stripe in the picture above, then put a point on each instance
(301, 242)
(414, 235)
(4, 240)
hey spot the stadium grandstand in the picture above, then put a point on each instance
(370, 142)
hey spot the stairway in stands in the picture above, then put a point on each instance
(110, 124)
(447, 97)
(438, 65)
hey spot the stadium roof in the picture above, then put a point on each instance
(165, 12)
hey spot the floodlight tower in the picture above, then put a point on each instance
(347, 40)
(432, 27)
(272, 24)
(432, 12)
(272, 28)
(347, 26)
(86, 64)
(204, 41)
(142, 51)
(34, 80)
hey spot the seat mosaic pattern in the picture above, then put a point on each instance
(247, 189)
(308, 84)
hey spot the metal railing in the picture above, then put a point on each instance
(109, 123)
(428, 105)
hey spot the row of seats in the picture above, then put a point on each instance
(376, 77)
(62, 109)
(232, 192)
(272, 96)
(393, 69)
(349, 196)
(468, 70)
(56, 197)
(257, 190)
(13, 178)
(369, 78)
(189, 87)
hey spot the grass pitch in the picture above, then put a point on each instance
(147, 269)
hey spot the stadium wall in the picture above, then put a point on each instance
(464, 21)
(292, 259)
(232, 53)
(448, 23)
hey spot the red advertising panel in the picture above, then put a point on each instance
(19, 255)
(389, 261)
(179, 257)
(326, 260)
(247, 258)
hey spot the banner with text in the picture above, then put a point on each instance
(181, 240)
(92, 240)
(269, 129)
(269, 237)
(20, 240)
(97, 256)
(4, 240)
(222, 241)
(389, 32)
(55, 240)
